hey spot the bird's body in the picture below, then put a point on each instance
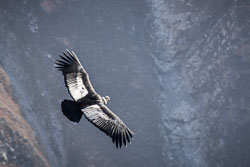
(89, 103)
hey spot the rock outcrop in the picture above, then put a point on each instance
(203, 64)
(177, 72)
(18, 146)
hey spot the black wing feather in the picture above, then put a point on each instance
(100, 116)
(75, 77)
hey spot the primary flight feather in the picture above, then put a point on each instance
(89, 103)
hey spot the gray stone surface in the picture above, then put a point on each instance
(177, 72)
(203, 66)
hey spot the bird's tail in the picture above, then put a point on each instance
(71, 110)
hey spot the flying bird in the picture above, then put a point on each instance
(89, 103)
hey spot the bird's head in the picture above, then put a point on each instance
(105, 99)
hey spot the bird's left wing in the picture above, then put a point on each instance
(75, 77)
(109, 123)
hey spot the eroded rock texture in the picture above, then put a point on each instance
(18, 146)
(177, 72)
(204, 68)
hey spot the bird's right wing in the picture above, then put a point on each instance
(109, 123)
(75, 77)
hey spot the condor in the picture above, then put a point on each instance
(89, 103)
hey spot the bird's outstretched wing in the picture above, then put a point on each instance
(109, 123)
(75, 77)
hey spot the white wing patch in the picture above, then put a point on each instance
(112, 126)
(94, 112)
(75, 86)
(93, 106)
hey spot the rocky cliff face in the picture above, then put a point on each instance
(203, 66)
(18, 146)
(177, 72)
